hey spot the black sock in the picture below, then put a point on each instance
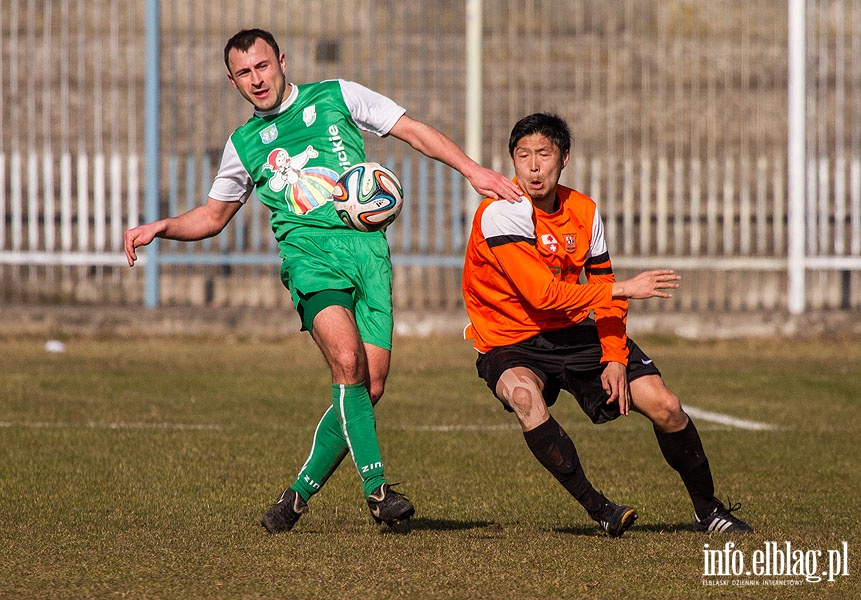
(556, 453)
(683, 451)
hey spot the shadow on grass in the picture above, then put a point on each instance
(594, 530)
(665, 527)
(426, 524)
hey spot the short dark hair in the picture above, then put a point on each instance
(243, 40)
(551, 126)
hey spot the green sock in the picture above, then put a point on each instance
(356, 413)
(327, 451)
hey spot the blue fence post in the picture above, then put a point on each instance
(152, 118)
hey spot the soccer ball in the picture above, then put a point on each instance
(368, 197)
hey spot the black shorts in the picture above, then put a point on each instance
(566, 359)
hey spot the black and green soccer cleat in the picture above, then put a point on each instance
(282, 515)
(389, 507)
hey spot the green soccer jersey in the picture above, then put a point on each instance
(292, 156)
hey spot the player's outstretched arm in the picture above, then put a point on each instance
(648, 284)
(197, 224)
(436, 145)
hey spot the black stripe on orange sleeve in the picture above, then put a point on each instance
(601, 258)
(599, 265)
(499, 240)
(605, 271)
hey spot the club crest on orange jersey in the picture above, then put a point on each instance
(570, 242)
(549, 242)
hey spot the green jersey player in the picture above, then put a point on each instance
(290, 153)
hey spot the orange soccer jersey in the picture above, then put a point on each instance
(522, 269)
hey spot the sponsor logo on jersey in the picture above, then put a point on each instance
(309, 115)
(549, 242)
(270, 134)
(338, 147)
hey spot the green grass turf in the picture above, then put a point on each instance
(139, 468)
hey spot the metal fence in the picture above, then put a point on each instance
(679, 108)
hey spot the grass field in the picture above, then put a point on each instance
(139, 468)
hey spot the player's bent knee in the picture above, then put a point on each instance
(347, 366)
(528, 406)
(668, 414)
(522, 399)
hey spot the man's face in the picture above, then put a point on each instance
(259, 75)
(538, 164)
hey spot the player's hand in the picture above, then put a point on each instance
(615, 382)
(648, 284)
(490, 184)
(136, 237)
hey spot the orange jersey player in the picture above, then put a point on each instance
(521, 273)
(530, 323)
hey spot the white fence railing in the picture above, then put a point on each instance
(691, 215)
(66, 210)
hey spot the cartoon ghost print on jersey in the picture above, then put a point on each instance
(304, 188)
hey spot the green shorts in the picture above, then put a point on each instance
(352, 262)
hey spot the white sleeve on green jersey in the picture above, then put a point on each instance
(232, 182)
(371, 111)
